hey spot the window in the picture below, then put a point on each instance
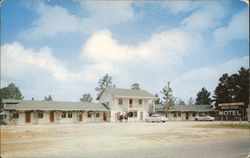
(40, 114)
(175, 114)
(89, 115)
(120, 101)
(140, 102)
(130, 114)
(16, 115)
(63, 114)
(130, 101)
(135, 114)
(179, 114)
(97, 115)
(202, 114)
(69, 114)
(194, 114)
(3, 116)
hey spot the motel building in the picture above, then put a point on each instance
(186, 112)
(52, 112)
(112, 102)
(137, 103)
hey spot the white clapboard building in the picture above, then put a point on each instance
(137, 103)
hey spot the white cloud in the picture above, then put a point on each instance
(153, 62)
(169, 45)
(109, 13)
(102, 54)
(104, 15)
(204, 15)
(54, 20)
(21, 60)
(177, 7)
(192, 81)
(101, 47)
(42, 74)
(39, 73)
(207, 16)
(237, 29)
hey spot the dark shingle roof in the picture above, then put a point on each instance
(192, 108)
(52, 105)
(120, 92)
(159, 107)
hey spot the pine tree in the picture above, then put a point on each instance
(180, 102)
(221, 92)
(190, 101)
(135, 86)
(203, 97)
(234, 88)
(157, 99)
(243, 85)
(104, 82)
(10, 92)
(168, 98)
(48, 99)
(86, 98)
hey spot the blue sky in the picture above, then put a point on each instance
(63, 48)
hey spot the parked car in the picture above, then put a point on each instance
(204, 118)
(156, 118)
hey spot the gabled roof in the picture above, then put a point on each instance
(52, 105)
(193, 108)
(179, 108)
(120, 92)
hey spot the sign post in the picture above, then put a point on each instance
(231, 110)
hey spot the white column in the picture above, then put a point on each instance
(112, 117)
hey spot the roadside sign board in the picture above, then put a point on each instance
(231, 109)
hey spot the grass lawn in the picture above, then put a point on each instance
(238, 126)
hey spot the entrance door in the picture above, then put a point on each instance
(104, 117)
(118, 116)
(51, 116)
(27, 116)
(187, 116)
(80, 118)
(141, 116)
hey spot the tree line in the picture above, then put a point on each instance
(231, 88)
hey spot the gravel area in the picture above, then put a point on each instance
(78, 139)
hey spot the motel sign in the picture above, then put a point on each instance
(231, 109)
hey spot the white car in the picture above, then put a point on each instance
(204, 118)
(156, 118)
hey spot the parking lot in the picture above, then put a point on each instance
(83, 139)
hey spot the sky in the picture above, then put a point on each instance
(62, 48)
